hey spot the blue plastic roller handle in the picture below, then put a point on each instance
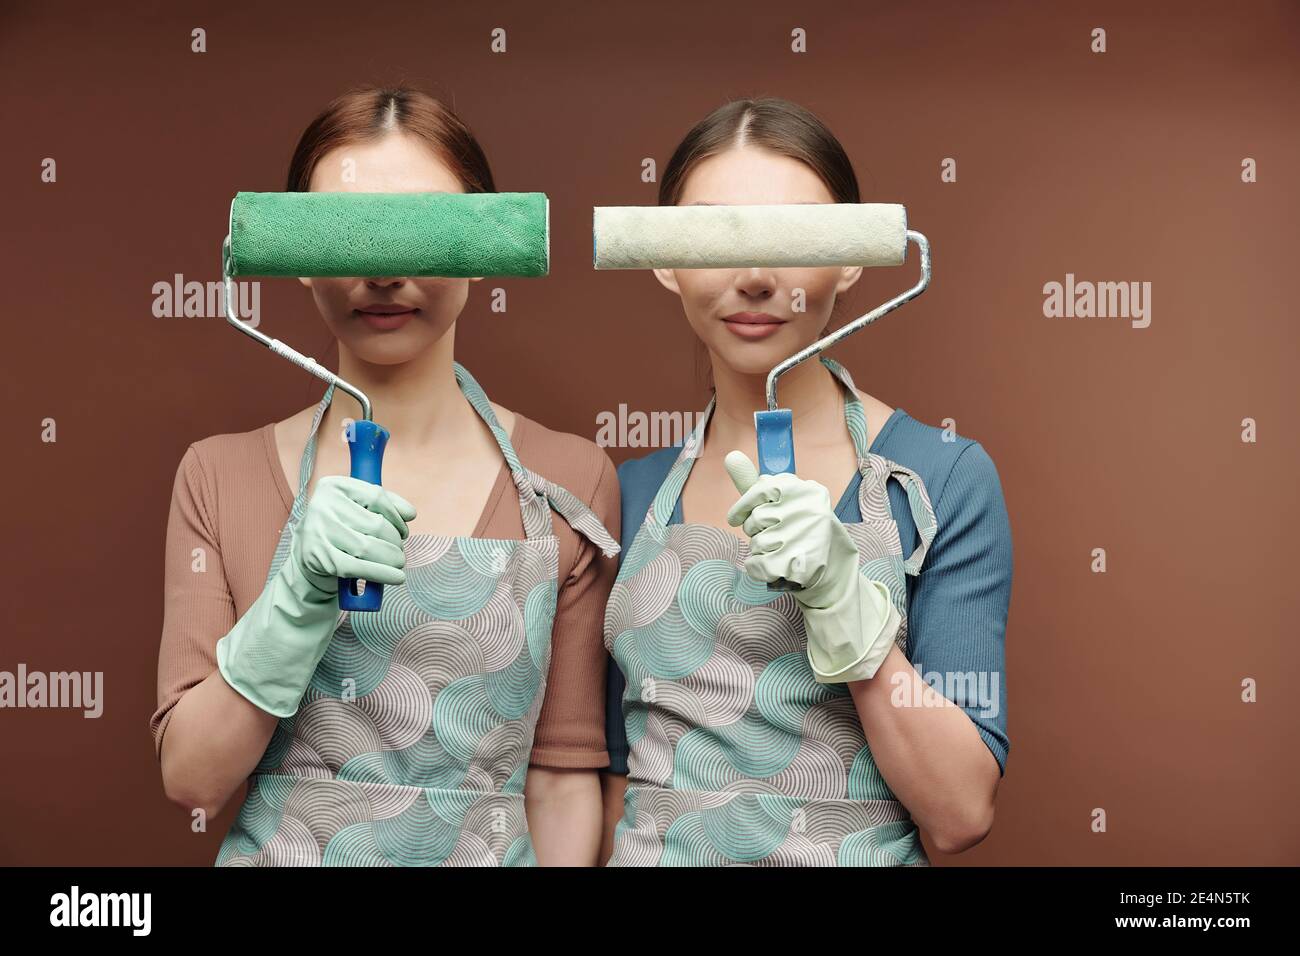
(775, 441)
(775, 430)
(366, 443)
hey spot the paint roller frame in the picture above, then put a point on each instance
(366, 440)
(774, 427)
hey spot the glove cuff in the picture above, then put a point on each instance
(231, 665)
(253, 657)
(871, 625)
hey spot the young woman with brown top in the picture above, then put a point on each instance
(475, 693)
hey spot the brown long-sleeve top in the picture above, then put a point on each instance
(230, 499)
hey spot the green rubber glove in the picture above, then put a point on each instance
(349, 529)
(794, 534)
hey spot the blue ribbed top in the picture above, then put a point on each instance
(956, 607)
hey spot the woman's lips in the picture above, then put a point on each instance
(752, 325)
(387, 320)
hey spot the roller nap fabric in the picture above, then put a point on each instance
(720, 237)
(388, 234)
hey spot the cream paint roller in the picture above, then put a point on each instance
(772, 236)
(378, 235)
(728, 237)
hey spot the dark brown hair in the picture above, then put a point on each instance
(772, 123)
(368, 113)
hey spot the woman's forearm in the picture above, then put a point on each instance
(214, 739)
(564, 815)
(613, 787)
(929, 753)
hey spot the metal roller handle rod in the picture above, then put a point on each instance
(822, 344)
(278, 347)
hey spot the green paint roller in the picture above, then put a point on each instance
(775, 236)
(378, 235)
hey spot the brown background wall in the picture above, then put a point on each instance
(1124, 687)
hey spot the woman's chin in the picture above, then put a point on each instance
(379, 349)
(754, 358)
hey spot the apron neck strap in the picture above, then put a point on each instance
(478, 400)
(855, 417)
(307, 463)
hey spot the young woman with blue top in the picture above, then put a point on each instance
(776, 728)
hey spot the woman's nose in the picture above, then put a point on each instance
(386, 282)
(757, 283)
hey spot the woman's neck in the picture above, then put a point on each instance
(809, 390)
(418, 400)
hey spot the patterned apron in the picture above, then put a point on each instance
(738, 756)
(411, 745)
